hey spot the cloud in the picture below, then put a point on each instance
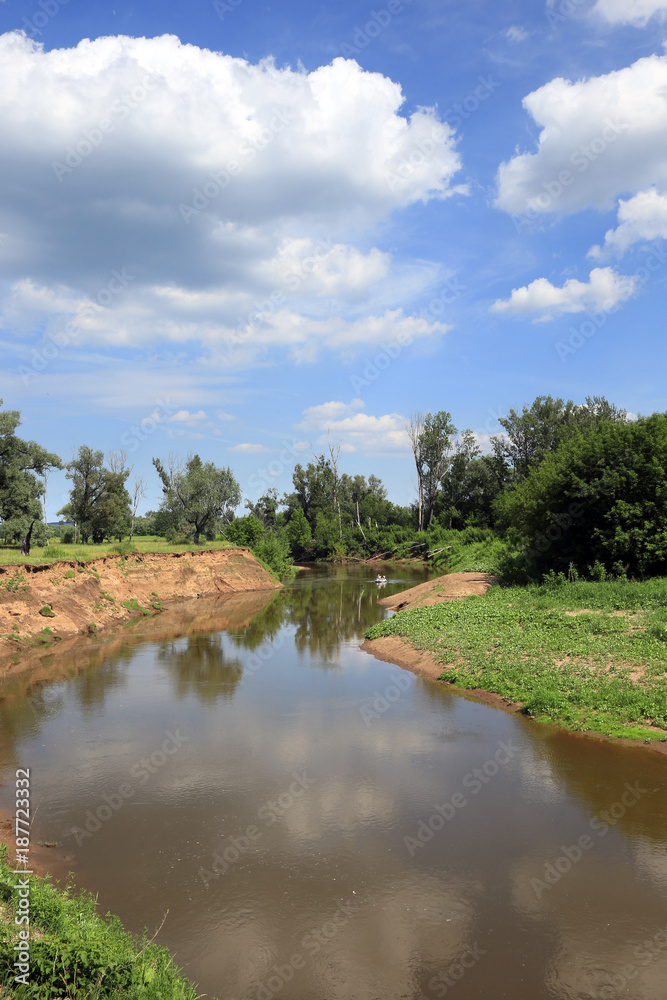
(193, 176)
(643, 217)
(185, 417)
(604, 290)
(637, 12)
(356, 432)
(516, 33)
(600, 138)
(249, 449)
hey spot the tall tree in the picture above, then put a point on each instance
(201, 494)
(21, 462)
(99, 503)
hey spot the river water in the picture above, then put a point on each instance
(321, 825)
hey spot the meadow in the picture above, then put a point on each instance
(586, 655)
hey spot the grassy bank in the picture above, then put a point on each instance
(589, 656)
(60, 552)
(74, 952)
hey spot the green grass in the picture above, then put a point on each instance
(602, 670)
(75, 952)
(59, 552)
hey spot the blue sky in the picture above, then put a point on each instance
(240, 228)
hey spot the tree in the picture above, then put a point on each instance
(139, 490)
(21, 462)
(201, 494)
(546, 424)
(456, 482)
(299, 533)
(431, 440)
(599, 498)
(99, 502)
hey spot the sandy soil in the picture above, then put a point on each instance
(81, 595)
(452, 587)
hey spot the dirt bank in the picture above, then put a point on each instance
(40, 604)
(451, 587)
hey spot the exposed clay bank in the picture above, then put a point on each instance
(41, 603)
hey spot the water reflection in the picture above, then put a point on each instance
(200, 666)
(325, 900)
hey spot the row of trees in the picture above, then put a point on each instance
(567, 486)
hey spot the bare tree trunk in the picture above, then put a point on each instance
(138, 494)
(359, 523)
(46, 479)
(334, 452)
(415, 428)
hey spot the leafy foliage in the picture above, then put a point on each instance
(200, 495)
(79, 953)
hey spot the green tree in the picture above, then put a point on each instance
(99, 502)
(299, 533)
(431, 437)
(20, 489)
(244, 531)
(601, 497)
(201, 494)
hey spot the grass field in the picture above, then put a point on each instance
(57, 551)
(589, 656)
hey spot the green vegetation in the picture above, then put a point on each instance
(46, 612)
(589, 656)
(133, 605)
(75, 952)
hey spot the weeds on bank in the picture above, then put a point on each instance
(60, 552)
(590, 656)
(75, 952)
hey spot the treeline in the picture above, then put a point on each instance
(570, 489)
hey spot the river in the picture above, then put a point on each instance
(321, 825)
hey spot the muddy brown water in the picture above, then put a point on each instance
(320, 824)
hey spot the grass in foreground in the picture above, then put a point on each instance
(589, 656)
(60, 552)
(74, 952)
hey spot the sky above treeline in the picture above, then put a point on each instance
(243, 229)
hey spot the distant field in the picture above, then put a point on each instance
(590, 656)
(58, 552)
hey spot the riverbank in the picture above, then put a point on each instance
(41, 604)
(591, 657)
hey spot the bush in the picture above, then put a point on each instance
(67, 536)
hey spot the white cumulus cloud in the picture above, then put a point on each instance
(637, 12)
(604, 290)
(600, 138)
(342, 423)
(643, 217)
(156, 192)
